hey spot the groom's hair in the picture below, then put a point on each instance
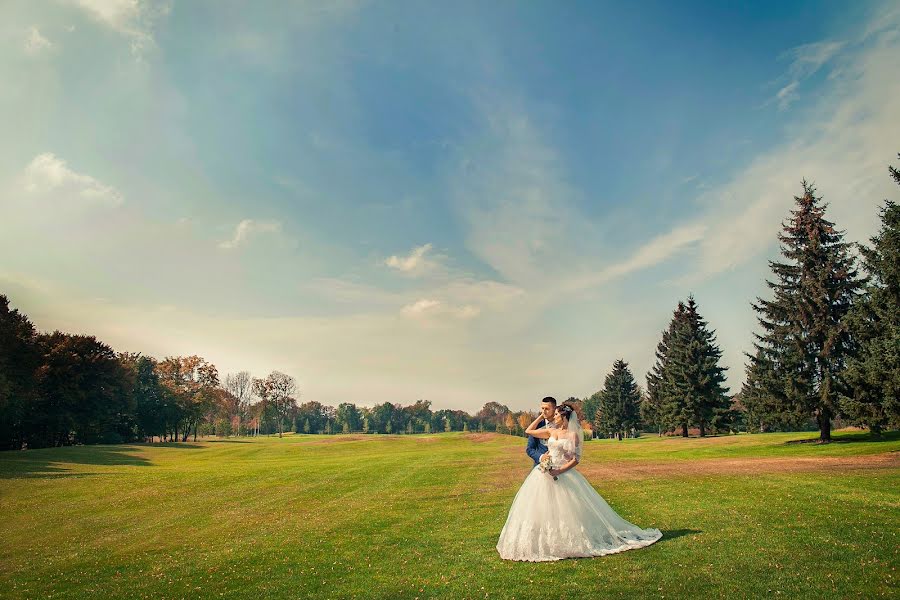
(550, 400)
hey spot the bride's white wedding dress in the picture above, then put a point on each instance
(565, 518)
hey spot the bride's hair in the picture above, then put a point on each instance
(565, 410)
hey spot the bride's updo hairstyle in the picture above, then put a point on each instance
(565, 410)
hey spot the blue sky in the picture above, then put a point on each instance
(400, 200)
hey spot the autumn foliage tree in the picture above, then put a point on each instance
(192, 382)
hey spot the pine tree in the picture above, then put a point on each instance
(872, 395)
(694, 375)
(662, 401)
(762, 413)
(619, 401)
(650, 413)
(804, 338)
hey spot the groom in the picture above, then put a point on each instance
(537, 447)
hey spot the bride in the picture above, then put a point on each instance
(557, 514)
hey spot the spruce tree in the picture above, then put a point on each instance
(872, 394)
(694, 375)
(662, 403)
(762, 413)
(619, 401)
(804, 339)
(650, 413)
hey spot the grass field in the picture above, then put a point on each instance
(418, 516)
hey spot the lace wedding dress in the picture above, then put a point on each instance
(565, 518)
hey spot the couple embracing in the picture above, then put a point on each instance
(556, 513)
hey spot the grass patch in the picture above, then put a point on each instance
(418, 516)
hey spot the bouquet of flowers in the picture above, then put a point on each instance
(546, 464)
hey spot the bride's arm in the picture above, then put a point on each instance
(565, 467)
(538, 433)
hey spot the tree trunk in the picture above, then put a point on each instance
(822, 418)
(195, 432)
(702, 429)
(684, 430)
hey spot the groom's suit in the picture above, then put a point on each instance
(536, 447)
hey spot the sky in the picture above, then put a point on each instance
(393, 201)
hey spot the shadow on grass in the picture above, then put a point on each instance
(671, 534)
(54, 473)
(227, 442)
(846, 438)
(48, 463)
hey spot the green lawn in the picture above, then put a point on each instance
(418, 516)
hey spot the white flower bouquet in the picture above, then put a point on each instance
(546, 464)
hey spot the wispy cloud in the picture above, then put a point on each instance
(654, 252)
(809, 58)
(806, 60)
(35, 43)
(47, 173)
(247, 229)
(429, 308)
(414, 263)
(786, 95)
(135, 19)
(511, 190)
(843, 143)
(523, 218)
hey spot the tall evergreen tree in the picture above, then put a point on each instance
(651, 416)
(619, 401)
(872, 395)
(761, 412)
(804, 339)
(694, 375)
(660, 400)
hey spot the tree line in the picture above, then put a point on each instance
(828, 348)
(60, 389)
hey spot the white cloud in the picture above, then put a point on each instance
(425, 308)
(421, 306)
(248, 228)
(413, 263)
(843, 144)
(35, 43)
(133, 18)
(47, 173)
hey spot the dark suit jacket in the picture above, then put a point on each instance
(534, 448)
